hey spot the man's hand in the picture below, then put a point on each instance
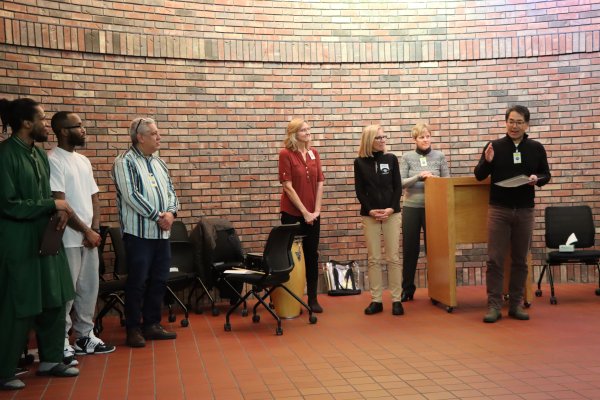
(165, 220)
(533, 180)
(64, 212)
(489, 153)
(91, 239)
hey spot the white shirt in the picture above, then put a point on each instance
(71, 173)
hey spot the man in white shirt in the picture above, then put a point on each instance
(72, 178)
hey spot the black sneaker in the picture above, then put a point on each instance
(92, 345)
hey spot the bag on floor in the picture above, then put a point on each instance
(342, 278)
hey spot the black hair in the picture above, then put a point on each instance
(524, 111)
(59, 120)
(14, 112)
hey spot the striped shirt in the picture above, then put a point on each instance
(144, 190)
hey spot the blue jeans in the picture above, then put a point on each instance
(148, 263)
(509, 232)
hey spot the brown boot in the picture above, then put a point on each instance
(135, 338)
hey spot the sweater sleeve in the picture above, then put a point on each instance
(483, 169)
(397, 179)
(359, 186)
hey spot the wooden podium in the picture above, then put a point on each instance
(456, 213)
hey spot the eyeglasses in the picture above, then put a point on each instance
(138, 125)
(380, 138)
(74, 126)
(519, 123)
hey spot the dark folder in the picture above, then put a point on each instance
(52, 238)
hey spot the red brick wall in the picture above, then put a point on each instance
(222, 80)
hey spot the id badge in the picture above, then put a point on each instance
(152, 180)
(423, 161)
(516, 158)
(311, 154)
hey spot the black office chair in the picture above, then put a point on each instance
(181, 274)
(561, 222)
(276, 264)
(111, 291)
(217, 248)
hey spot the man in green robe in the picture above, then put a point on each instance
(33, 288)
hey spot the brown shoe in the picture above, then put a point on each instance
(157, 332)
(492, 315)
(135, 338)
(518, 313)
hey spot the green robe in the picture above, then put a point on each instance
(33, 281)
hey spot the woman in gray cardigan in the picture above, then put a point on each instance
(415, 167)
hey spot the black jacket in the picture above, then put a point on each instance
(533, 161)
(377, 182)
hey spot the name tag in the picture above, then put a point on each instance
(311, 154)
(384, 168)
(423, 161)
(152, 180)
(516, 158)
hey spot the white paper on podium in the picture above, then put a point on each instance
(571, 239)
(515, 181)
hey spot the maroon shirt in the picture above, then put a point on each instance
(304, 177)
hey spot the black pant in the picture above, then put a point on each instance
(413, 220)
(310, 246)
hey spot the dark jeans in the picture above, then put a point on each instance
(413, 220)
(509, 232)
(148, 263)
(310, 246)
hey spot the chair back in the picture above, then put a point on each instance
(228, 247)
(179, 232)
(116, 238)
(564, 220)
(277, 256)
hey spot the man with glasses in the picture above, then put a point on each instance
(147, 207)
(34, 288)
(72, 178)
(511, 209)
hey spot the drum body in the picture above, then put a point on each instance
(285, 305)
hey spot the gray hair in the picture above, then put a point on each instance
(139, 125)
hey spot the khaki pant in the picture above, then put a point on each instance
(390, 229)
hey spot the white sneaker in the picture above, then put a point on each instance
(69, 356)
(92, 345)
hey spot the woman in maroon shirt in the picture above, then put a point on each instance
(302, 178)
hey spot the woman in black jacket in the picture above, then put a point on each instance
(378, 189)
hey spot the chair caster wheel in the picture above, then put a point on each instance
(597, 292)
(172, 318)
(279, 331)
(526, 304)
(538, 293)
(227, 327)
(185, 323)
(449, 309)
(434, 302)
(245, 312)
(215, 311)
(553, 300)
(312, 319)
(256, 318)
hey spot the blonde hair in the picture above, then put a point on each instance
(290, 142)
(367, 139)
(418, 129)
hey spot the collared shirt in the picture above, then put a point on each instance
(144, 191)
(304, 175)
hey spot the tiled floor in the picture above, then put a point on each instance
(425, 354)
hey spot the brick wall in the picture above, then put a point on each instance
(222, 79)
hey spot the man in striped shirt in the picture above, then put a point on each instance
(147, 207)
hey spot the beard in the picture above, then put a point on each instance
(39, 134)
(76, 140)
